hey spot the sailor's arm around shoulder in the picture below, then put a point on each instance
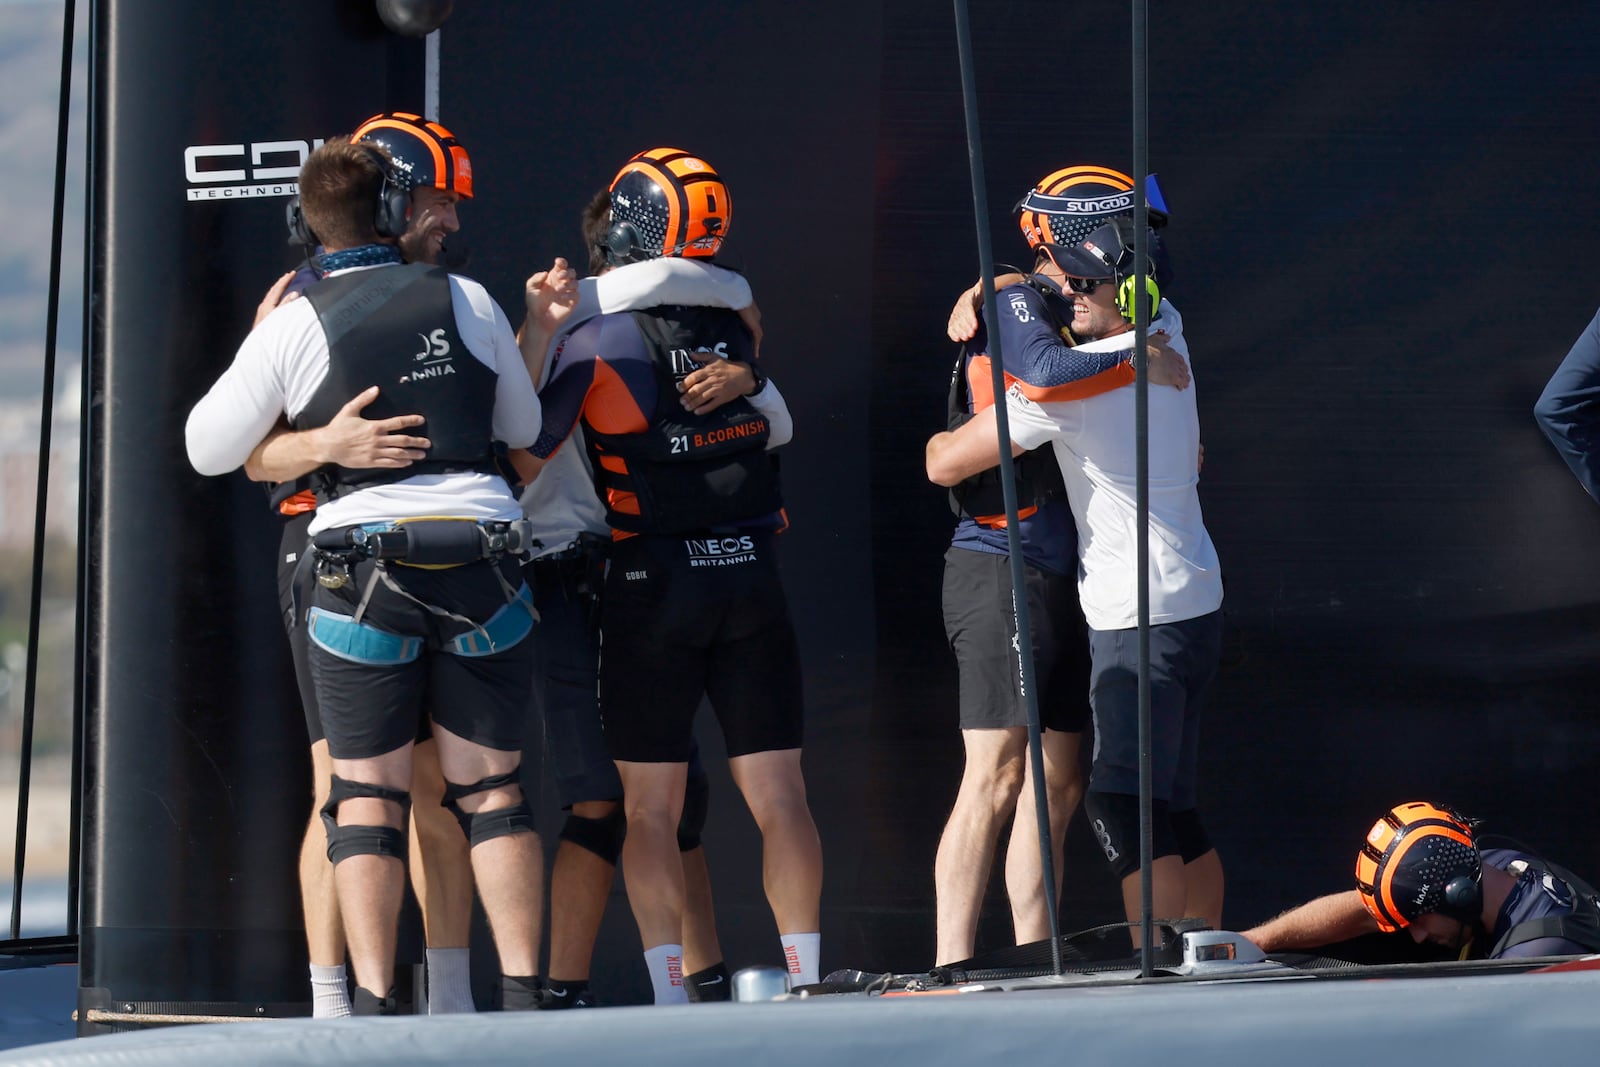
(238, 411)
(1323, 921)
(963, 324)
(770, 402)
(971, 448)
(349, 439)
(668, 280)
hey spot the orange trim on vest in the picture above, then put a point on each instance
(303, 501)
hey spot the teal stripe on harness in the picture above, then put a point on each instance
(504, 630)
(359, 642)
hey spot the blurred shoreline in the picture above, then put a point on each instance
(49, 815)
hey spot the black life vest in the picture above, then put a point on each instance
(1580, 926)
(1038, 475)
(395, 327)
(687, 472)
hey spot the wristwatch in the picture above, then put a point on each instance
(761, 379)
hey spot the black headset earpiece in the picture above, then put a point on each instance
(299, 231)
(392, 212)
(1463, 895)
(622, 240)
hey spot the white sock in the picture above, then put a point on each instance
(801, 952)
(665, 963)
(330, 995)
(449, 982)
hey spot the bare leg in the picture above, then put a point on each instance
(791, 851)
(1167, 894)
(1203, 885)
(653, 799)
(701, 949)
(580, 882)
(370, 886)
(318, 898)
(509, 868)
(441, 863)
(988, 794)
(1030, 917)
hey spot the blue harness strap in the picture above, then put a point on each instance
(503, 630)
(360, 642)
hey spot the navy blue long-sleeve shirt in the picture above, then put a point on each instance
(1569, 408)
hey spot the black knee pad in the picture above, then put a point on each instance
(1190, 835)
(347, 841)
(487, 825)
(501, 822)
(602, 836)
(1114, 818)
(696, 803)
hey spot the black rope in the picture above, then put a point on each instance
(1141, 423)
(42, 492)
(1008, 481)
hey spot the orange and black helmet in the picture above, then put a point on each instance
(1071, 203)
(1420, 859)
(424, 153)
(666, 202)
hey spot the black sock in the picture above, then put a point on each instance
(560, 994)
(365, 1002)
(519, 993)
(709, 984)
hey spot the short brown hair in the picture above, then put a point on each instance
(596, 228)
(339, 187)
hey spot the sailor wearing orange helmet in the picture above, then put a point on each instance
(694, 606)
(1421, 869)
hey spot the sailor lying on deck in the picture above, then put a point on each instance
(1421, 868)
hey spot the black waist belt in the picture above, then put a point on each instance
(586, 547)
(427, 542)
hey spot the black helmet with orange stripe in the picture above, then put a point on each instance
(1420, 859)
(666, 202)
(424, 153)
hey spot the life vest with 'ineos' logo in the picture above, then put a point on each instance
(687, 472)
(1038, 474)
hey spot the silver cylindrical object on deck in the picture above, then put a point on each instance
(760, 983)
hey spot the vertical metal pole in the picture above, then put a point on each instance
(80, 646)
(42, 491)
(1141, 401)
(1008, 482)
(430, 111)
(430, 87)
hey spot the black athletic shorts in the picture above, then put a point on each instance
(1183, 660)
(380, 680)
(980, 624)
(295, 582)
(294, 598)
(567, 590)
(693, 617)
